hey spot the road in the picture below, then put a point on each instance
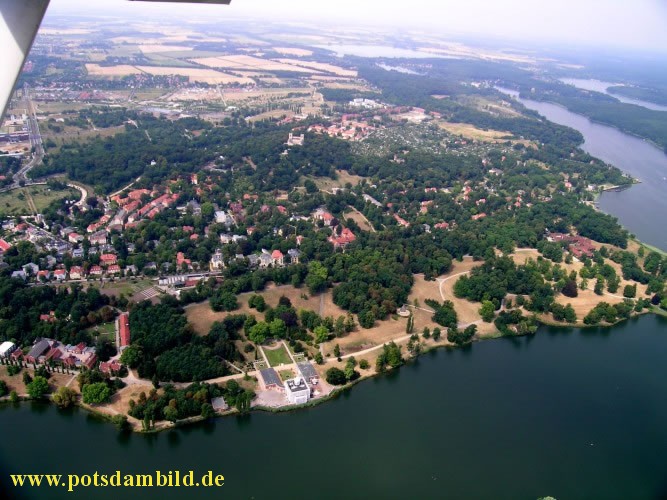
(35, 142)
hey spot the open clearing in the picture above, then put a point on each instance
(17, 201)
(326, 183)
(471, 132)
(359, 219)
(201, 316)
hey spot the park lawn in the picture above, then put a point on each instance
(278, 356)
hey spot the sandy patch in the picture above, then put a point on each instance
(471, 132)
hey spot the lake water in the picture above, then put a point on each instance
(377, 51)
(642, 209)
(600, 86)
(576, 414)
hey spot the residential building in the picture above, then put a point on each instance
(76, 273)
(106, 259)
(98, 238)
(217, 261)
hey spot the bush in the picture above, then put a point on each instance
(13, 370)
(3, 388)
(364, 364)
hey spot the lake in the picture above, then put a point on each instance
(642, 209)
(378, 51)
(571, 413)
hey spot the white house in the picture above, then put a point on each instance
(297, 391)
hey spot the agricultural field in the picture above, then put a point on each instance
(292, 51)
(249, 63)
(324, 67)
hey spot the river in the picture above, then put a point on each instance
(642, 209)
(603, 88)
(570, 413)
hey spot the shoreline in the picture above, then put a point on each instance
(338, 390)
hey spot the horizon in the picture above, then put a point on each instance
(639, 27)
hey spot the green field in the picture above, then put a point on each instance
(25, 201)
(278, 356)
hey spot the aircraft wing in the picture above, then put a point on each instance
(19, 22)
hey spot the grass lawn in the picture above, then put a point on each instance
(286, 375)
(277, 356)
(107, 330)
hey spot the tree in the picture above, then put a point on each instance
(257, 302)
(207, 410)
(96, 393)
(278, 328)
(364, 364)
(436, 334)
(170, 413)
(316, 279)
(64, 397)
(310, 186)
(259, 332)
(121, 423)
(38, 388)
(224, 301)
(409, 327)
(426, 333)
(336, 351)
(570, 289)
(487, 311)
(630, 291)
(131, 356)
(599, 286)
(321, 334)
(335, 376)
(3, 388)
(350, 372)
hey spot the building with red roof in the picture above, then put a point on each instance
(107, 259)
(124, 330)
(4, 246)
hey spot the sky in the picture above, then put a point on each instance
(633, 24)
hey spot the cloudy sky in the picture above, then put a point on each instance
(610, 23)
